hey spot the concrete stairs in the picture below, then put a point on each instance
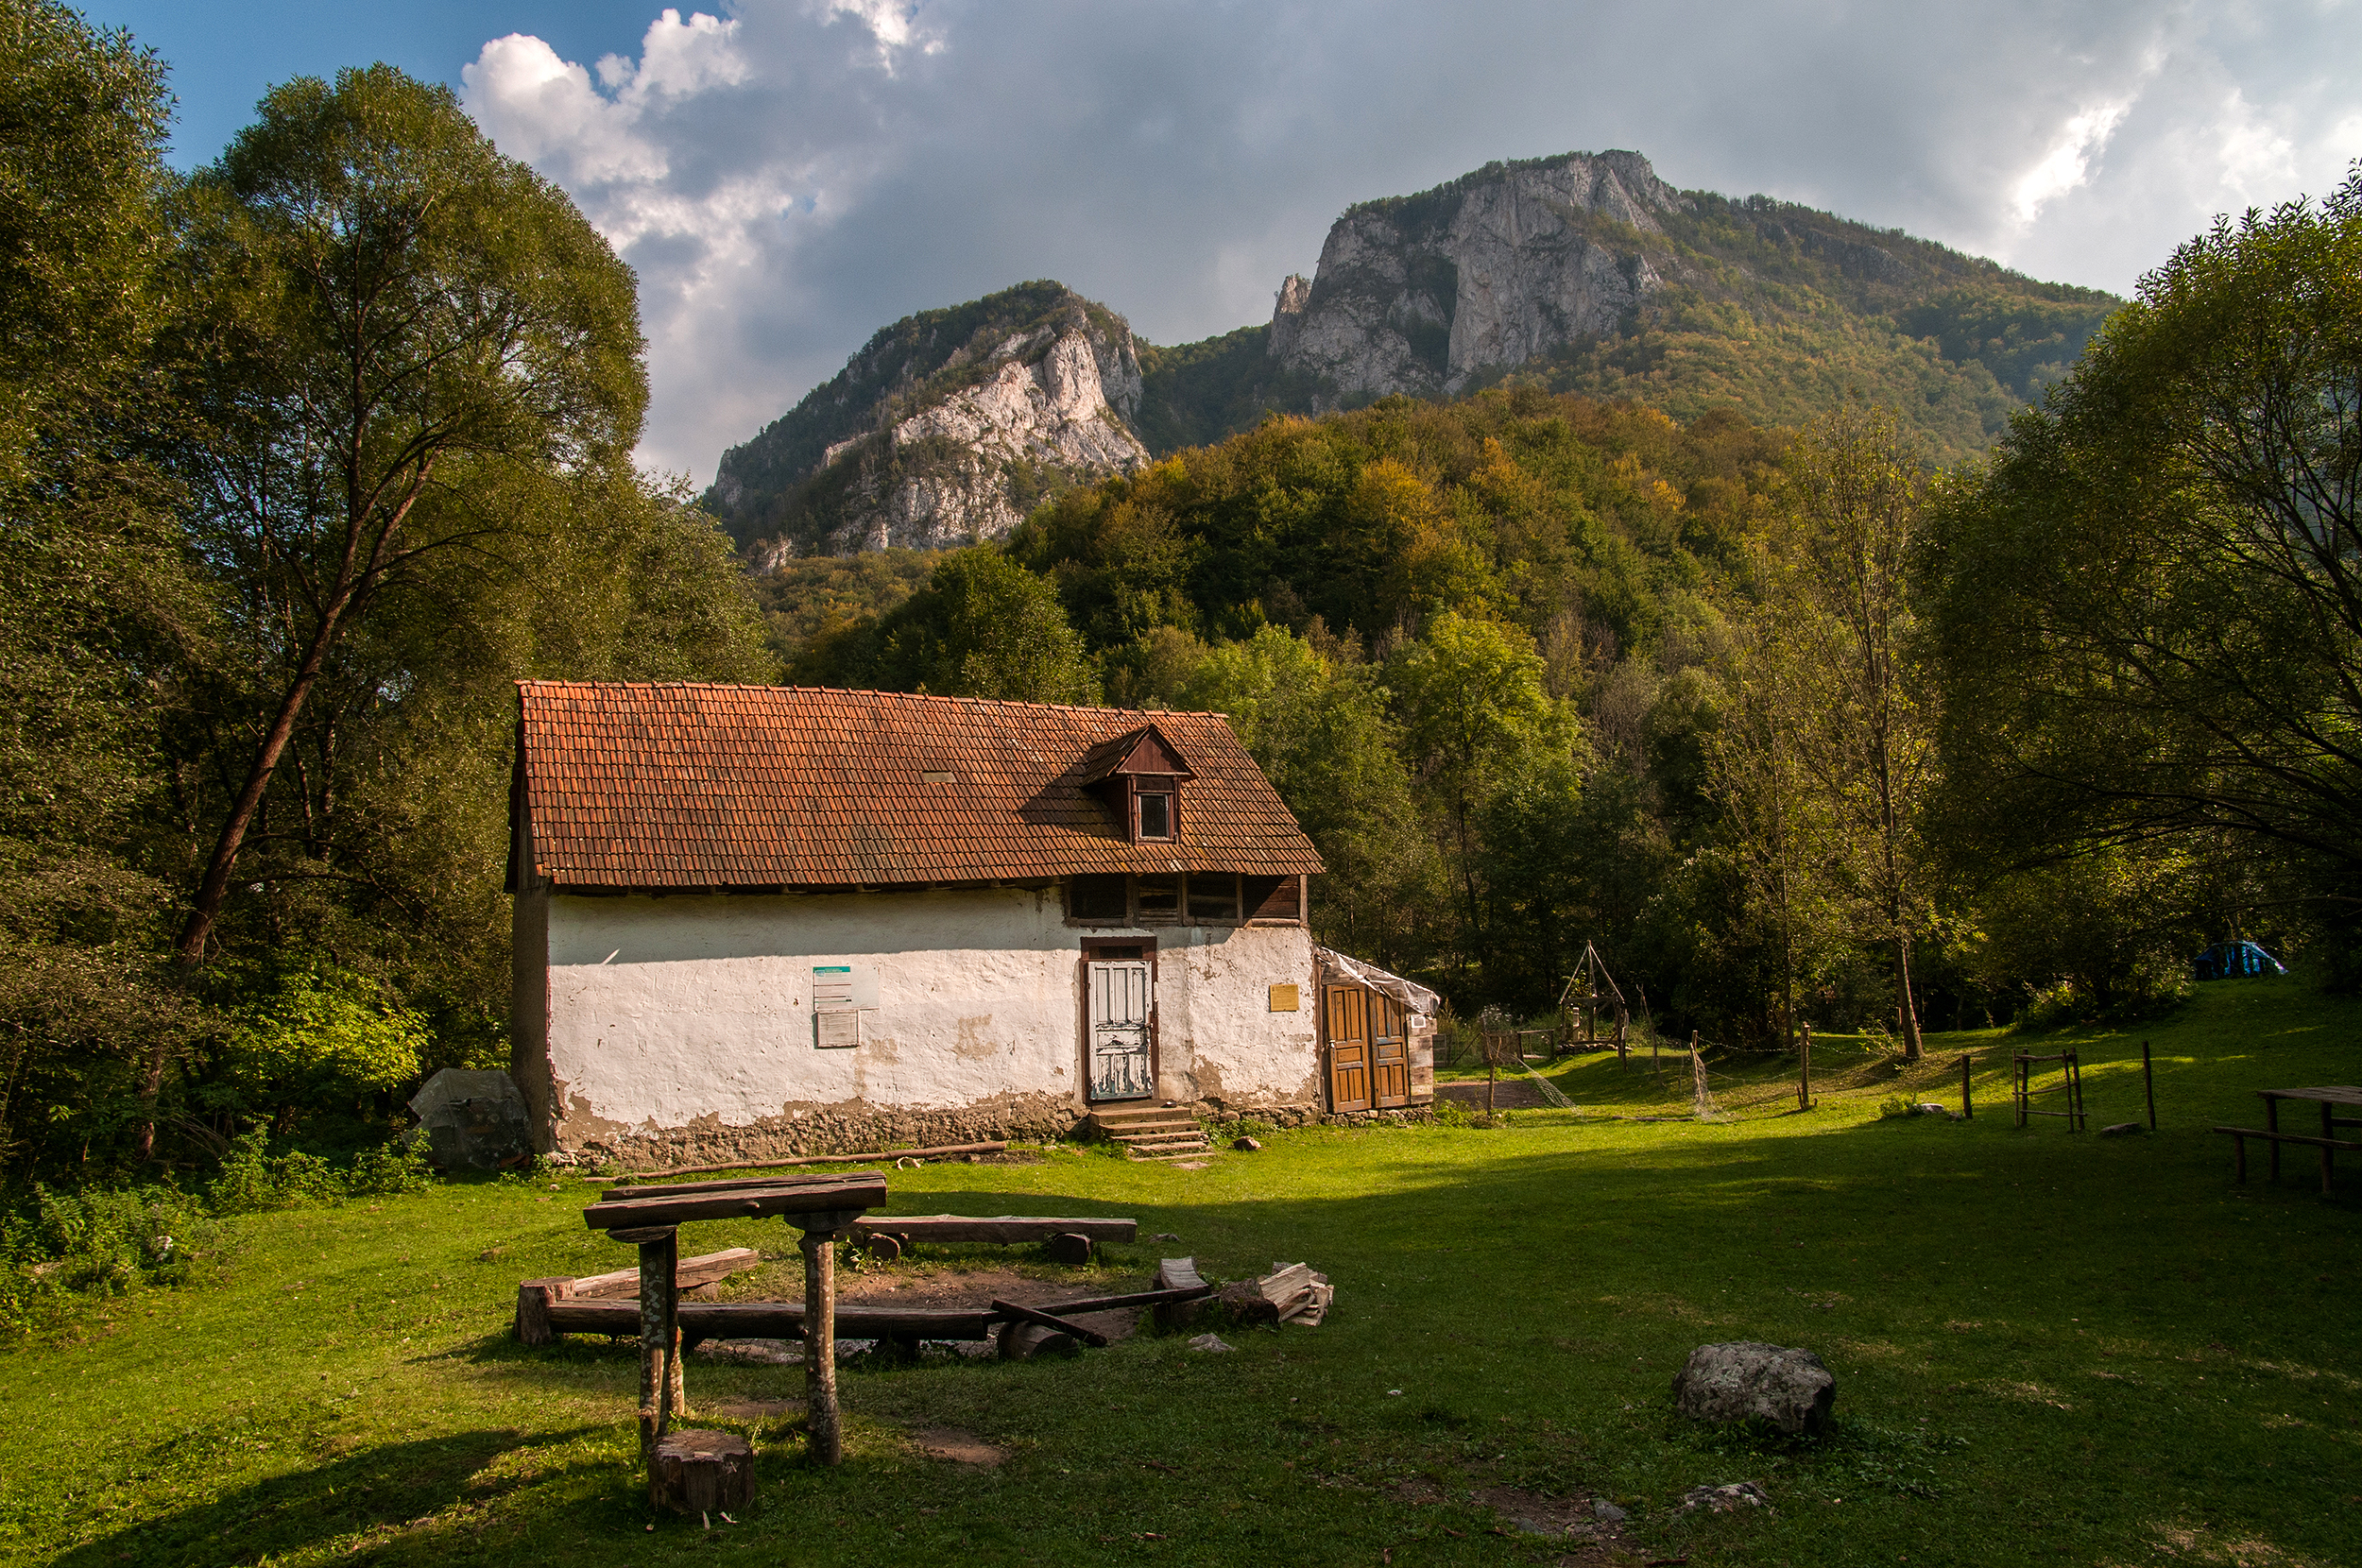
(1151, 1133)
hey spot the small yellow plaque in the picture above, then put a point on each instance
(1283, 998)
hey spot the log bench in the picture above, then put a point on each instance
(1070, 1240)
(703, 1273)
(2328, 1147)
(2329, 1099)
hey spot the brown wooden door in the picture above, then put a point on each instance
(1348, 1049)
(1390, 1053)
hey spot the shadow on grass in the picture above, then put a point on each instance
(379, 1492)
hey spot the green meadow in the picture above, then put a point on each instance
(2050, 1347)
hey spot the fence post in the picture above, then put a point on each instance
(1804, 1069)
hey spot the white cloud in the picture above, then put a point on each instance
(789, 176)
(2069, 163)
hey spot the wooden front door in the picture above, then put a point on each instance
(1390, 1053)
(1117, 1029)
(1348, 1021)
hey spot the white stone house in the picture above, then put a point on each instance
(754, 921)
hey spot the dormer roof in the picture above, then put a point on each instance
(1144, 750)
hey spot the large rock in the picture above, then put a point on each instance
(474, 1120)
(1790, 1388)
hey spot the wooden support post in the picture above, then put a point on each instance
(2148, 1086)
(1697, 1079)
(2238, 1158)
(1804, 1069)
(2271, 1124)
(660, 1337)
(1968, 1106)
(820, 1413)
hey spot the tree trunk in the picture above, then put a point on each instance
(1909, 1020)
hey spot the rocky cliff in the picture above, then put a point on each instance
(1419, 294)
(944, 429)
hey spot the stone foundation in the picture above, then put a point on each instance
(853, 1129)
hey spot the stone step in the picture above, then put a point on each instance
(1172, 1115)
(1201, 1147)
(1158, 1140)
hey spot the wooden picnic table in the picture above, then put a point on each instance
(2329, 1097)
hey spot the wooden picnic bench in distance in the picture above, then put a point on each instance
(2329, 1097)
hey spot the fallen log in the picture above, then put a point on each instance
(1050, 1320)
(912, 1228)
(704, 1269)
(1138, 1298)
(702, 1320)
(994, 1147)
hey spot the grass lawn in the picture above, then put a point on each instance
(2049, 1347)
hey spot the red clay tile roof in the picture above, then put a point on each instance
(688, 786)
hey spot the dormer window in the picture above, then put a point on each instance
(1140, 777)
(1155, 819)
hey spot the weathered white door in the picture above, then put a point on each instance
(1118, 1012)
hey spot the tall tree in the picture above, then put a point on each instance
(391, 315)
(1862, 729)
(2149, 606)
(96, 601)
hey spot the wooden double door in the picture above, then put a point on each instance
(1369, 1052)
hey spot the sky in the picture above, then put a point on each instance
(789, 176)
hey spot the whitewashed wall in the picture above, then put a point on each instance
(695, 1012)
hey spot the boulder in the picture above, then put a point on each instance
(1789, 1389)
(474, 1120)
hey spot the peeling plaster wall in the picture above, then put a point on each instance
(685, 1024)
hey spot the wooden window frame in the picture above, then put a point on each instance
(1168, 785)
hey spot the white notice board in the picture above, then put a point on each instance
(841, 992)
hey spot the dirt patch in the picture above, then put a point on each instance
(954, 1446)
(942, 1285)
(1509, 1093)
(1591, 1541)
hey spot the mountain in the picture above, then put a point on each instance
(944, 429)
(1581, 273)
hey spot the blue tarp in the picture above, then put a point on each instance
(2233, 959)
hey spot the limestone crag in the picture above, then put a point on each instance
(945, 429)
(956, 471)
(1420, 293)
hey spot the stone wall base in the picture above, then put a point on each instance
(1287, 1116)
(834, 1130)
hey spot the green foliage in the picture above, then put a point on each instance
(2145, 609)
(323, 1033)
(807, 602)
(982, 627)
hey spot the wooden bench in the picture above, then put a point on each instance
(2328, 1147)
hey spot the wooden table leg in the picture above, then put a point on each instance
(2271, 1124)
(2238, 1159)
(820, 1412)
(659, 1340)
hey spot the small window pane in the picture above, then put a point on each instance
(1213, 896)
(1158, 897)
(1095, 898)
(1155, 816)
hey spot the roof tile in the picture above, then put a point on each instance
(692, 786)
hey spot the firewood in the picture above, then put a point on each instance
(1024, 1341)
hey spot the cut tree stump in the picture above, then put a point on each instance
(696, 1472)
(1180, 1273)
(882, 1245)
(1071, 1249)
